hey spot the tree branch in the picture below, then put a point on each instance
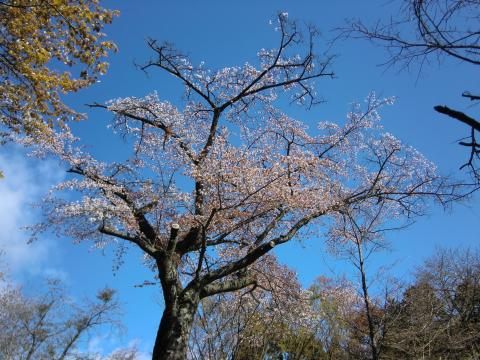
(226, 286)
(259, 251)
(135, 240)
(460, 116)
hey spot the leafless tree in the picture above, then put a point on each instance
(361, 233)
(51, 326)
(432, 30)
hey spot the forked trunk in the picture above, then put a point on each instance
(174, 330)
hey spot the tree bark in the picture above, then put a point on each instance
(181, 305)
(174, 329)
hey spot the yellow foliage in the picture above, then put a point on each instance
(40, 43)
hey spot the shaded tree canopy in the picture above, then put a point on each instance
(438, 315)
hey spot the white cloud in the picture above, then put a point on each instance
(94, 344)
(26, 181)
(96, 347)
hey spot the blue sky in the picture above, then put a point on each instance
(224, 33)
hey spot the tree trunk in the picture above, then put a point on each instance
(174, 330)
(366, 299)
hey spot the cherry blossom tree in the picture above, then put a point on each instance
(335, 303)
(213, 185)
